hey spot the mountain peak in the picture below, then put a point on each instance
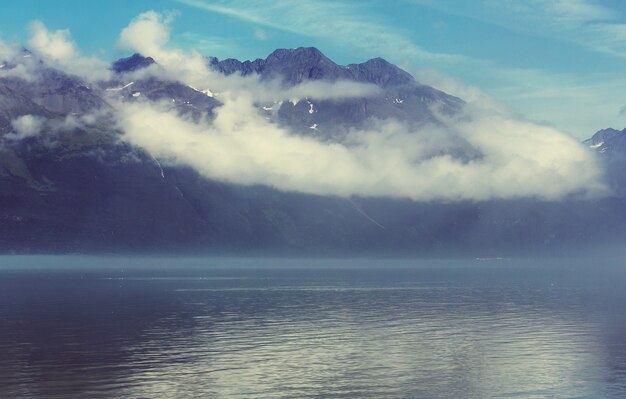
(132, 63)
(300, 64)
(605, 135)
(381, 72)
(293, 66)
(310, 53)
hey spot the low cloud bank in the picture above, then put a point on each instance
(25, 126)
(518, 159)
(46, 129)
(15, 63)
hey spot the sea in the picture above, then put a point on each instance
(166, 327)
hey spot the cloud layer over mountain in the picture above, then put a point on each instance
(509, 157)
(517, 158)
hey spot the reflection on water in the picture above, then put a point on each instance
(392, 329)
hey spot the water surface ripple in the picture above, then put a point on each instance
(388, 329)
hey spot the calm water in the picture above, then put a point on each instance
(259, 328)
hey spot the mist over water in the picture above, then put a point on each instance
(289, 328)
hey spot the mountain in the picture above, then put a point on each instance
(133, 63)
(13, 105)
(401, 97)
(294, 66)
(57, 92)
(608, 141)
(79, 188)
(610, 144)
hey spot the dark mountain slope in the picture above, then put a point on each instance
(13, 105)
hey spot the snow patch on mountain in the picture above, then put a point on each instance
(206, 92)
(120, 88)
(597, 145)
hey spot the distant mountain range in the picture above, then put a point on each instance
(79, 189)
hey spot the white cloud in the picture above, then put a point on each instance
(57, 46)
(470, 94)
(235, 86)
(25, 71)
(14, 63)
(25, 126)
(328, 91)
(7, 52)
(240, 146)
(149, 34)
(58, 50)
(578, 104)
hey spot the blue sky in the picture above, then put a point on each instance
(559, 62)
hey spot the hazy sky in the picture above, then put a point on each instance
(559, 62)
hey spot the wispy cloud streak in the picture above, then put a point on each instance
(587, 23)
(325, 19)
